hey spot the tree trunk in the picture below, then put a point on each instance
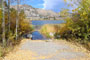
(9, 15)
(3, 23)
(17, 20)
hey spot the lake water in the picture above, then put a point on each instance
(42, 22)
(36, 35)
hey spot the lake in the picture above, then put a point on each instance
(43, 22)
(36, 35)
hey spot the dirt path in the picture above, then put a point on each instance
(48, 50)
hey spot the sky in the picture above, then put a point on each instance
(54, 5)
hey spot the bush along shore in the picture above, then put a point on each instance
(77, 27)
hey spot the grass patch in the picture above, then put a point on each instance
(50, 28)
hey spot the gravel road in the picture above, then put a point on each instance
(48, 50)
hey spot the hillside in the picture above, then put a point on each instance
(37, 14)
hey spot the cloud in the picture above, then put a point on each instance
(57, 5)
(54, 5)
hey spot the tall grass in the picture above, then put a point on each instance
(50, 28)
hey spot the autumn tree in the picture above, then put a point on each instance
(78, 26)
(64, 12)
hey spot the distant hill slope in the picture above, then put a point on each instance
(38, 14)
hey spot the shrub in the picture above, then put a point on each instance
(78, 26)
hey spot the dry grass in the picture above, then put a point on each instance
(19, 55)
(50, 28)
(16, 49)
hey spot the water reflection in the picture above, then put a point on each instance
(36, 35)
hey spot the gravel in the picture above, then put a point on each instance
(46, 50)
(42, 48)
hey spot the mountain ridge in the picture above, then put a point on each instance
(37, 13)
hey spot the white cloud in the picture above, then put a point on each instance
(56, 5)
(52, 4)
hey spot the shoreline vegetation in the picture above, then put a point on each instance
(61, 18)
(51, 28)
(57, 30)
